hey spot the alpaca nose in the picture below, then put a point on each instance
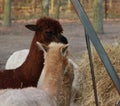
(64, 39)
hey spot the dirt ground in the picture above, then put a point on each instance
(17, 37)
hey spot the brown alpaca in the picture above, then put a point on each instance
(58, 73)
(46, 31)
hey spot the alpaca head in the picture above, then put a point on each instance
(55, 52)
(48, 30)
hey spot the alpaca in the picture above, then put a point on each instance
(46, 31)
(56, 72)
(14, 61)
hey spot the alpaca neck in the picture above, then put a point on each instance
(34, 62)
(53, 79)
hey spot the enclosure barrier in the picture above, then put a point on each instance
(92, 35)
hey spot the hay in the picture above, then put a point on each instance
(107, 93)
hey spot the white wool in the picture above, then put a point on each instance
(25, 97)
(41, 79)
(16, 59)
(75, 83)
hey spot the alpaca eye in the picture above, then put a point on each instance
(49, 34)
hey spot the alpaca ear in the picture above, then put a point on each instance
(42, 47)
(64, 51)
(32, 27)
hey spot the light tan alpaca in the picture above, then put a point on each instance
(58, 77)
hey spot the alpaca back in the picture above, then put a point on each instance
(16, 59)
(25, 97)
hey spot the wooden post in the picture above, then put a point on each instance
(98, 16)
(7, 13)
